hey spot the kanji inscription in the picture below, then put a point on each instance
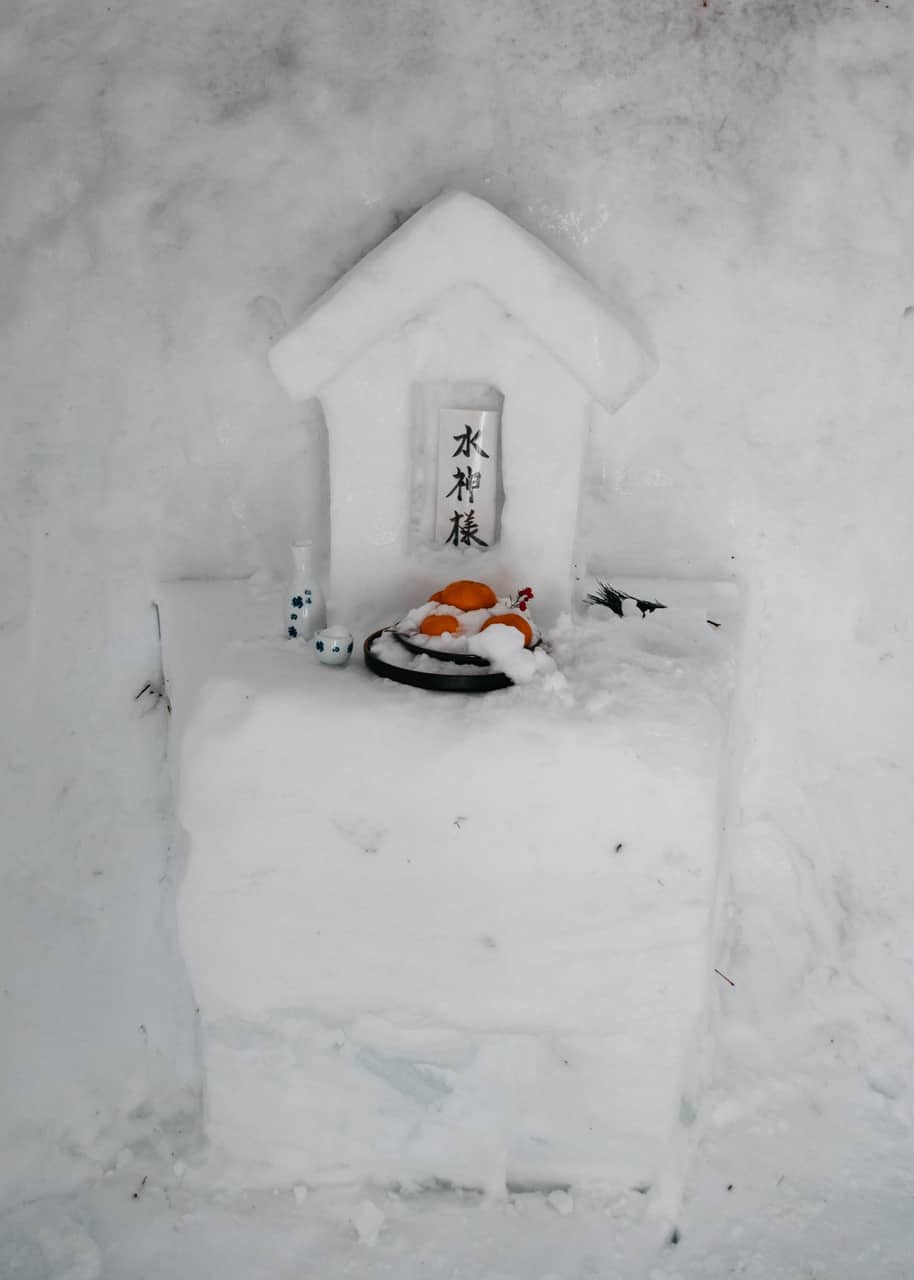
(468, 445)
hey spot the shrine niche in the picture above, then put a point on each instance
(457, 940)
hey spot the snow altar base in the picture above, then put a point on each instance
(445, 939)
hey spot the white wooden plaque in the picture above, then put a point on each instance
(468, 449)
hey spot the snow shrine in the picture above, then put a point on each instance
(445, 939)
(458, 309)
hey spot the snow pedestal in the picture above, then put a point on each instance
(439, 938)
(448, 939)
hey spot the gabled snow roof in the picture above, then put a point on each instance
(455, 240)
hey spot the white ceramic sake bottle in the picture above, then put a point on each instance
(306, 611)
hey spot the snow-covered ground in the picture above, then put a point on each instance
(179, 182)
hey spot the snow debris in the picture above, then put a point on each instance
(300, 1192)
(368, 1220)
(561, 1202)
(504, 649)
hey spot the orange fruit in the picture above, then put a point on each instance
(512, 620)
(436, 624)
(466, 595)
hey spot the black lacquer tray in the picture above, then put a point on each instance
(442, 655)
(460, 682)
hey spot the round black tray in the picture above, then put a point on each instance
(460, 659)
(444, 655)
(459, 682)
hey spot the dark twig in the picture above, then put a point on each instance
(157, 693)
(725, 978)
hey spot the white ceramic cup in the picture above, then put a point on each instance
(333, 646)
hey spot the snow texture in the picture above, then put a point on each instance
(503, 648)
(181, 181)
(457, 242)
(561, 1202)
(368, 1221)
(477, 955)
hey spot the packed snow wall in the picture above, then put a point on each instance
(180, 185)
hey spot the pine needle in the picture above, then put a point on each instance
(611, 598)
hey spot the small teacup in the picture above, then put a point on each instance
(333, 646)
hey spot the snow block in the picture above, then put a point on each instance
(437, 938)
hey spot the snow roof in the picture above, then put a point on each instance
(457, 240)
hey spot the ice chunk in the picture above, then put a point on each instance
(504, 649)
(368, 1220)
(561, 1202)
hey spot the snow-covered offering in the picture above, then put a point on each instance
(501, 632)
(459, 939)
(471, 622)
(502, 649)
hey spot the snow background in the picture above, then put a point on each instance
(180, 181)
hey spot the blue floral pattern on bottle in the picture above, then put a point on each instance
(305, 607)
